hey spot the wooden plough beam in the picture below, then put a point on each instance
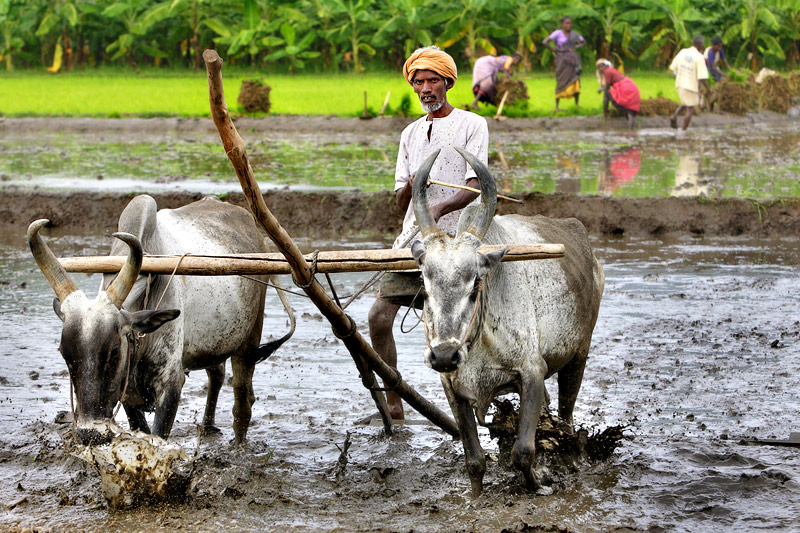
(329, 262)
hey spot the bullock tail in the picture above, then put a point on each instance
(268, 348)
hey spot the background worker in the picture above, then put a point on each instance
(484, 76)
(715, 58)
(431, 72)
(568, 62)
(690, 70)
(619, 90)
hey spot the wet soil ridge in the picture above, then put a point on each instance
(375, 215)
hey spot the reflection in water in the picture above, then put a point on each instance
(569, 172)
(619, 170)
(688, 178)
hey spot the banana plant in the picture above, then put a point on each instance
(755, 30)
(193, 13)
(408, 23)
(293, 51)
(16, 21)
(789, 11)
(673, 20)
(137, 17)
(532, 21)
(475, 22)
(612, 27)
(249, 34)
(352, 24)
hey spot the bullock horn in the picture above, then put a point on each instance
(123, 283)
(422, 212)
(488, 195)
(55, 274)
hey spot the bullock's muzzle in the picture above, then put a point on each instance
(444, 357)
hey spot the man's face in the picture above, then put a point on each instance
(717, 47)
(431, 88)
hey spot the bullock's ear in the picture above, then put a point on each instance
(57, 308)
(491, 260)
(148, 321)
(418, 252)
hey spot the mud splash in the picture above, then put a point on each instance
(693, 350)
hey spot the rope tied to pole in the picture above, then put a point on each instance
(311, 278)
(350, 332)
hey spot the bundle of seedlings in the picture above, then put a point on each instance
(659, 106)
(794, 83)
(734, 97)
(517, 90)
(776, 94)
(254, 96)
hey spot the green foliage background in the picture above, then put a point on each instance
(377, 35)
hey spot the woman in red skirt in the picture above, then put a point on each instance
(619, 90)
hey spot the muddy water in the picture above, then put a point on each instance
(759, 161)
(695, 349)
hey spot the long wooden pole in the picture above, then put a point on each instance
(343, 326)
(328, 262)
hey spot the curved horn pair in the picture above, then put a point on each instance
(422, 212)
(58, 278)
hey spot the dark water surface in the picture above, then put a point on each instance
(758, 161)
(697, 346)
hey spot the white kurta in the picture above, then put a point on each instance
(460, 128)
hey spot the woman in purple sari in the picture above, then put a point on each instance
(568, 62)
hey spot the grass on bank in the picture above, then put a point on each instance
(119, 93)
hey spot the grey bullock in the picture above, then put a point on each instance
(493, 327)
(134, 342)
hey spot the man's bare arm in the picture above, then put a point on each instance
(461, 200)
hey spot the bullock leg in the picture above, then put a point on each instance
(530, 407)
(167, 405)
(136, 419)
(569, 383)
(243, 396)
(473, 453)
(216, 376)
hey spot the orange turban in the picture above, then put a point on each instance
(430, 58)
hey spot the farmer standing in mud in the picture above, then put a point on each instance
(431, 72)
(690, 70)
(568, 62)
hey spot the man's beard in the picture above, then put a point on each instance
(432, 107)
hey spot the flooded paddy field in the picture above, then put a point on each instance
(760, 160)
(695, 350)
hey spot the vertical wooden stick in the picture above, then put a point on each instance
(502, 103)
(385, 103)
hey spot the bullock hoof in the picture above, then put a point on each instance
(477, 486)
(207, 431)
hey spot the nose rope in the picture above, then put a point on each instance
(469, 327)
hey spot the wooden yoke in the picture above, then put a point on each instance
(366, 358)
